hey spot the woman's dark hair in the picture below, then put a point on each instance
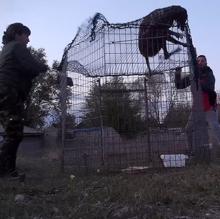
(12, 30)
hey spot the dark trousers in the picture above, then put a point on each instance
(11, 118)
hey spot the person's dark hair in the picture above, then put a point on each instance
(202, 56)
(12, 30)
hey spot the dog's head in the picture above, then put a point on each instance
(180, 16)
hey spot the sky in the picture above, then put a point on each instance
(54, 23)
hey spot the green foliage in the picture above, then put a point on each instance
(43, 99)
(149, 97)
(171, 193)
(111, 105)
(177, 116)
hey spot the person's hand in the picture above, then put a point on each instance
(178, 70)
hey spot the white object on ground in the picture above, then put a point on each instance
(174, 160)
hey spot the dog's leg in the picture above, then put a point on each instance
(174, 41)
(178, 49)
(148, 65)
(167, 54)
(176, 34)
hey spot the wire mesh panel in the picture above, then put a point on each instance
(127, 110)
(102, 49)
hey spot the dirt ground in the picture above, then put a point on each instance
(47, 193)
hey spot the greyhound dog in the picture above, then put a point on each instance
(154, 31)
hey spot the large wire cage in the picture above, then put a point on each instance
(120, 114)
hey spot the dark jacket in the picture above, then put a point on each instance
(18, 67)
(206, 81)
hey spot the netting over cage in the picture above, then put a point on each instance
(103, 49)
(122, 112)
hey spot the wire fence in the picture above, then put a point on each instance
(120, 114)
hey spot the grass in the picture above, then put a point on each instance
(172, 194)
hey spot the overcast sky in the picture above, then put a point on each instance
(54, 22)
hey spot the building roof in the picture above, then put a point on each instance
(27, 131)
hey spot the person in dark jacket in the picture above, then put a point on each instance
(206, 82)
(17, 70)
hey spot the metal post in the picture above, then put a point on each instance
(63, 102)
(101, 125)
(147, 121)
